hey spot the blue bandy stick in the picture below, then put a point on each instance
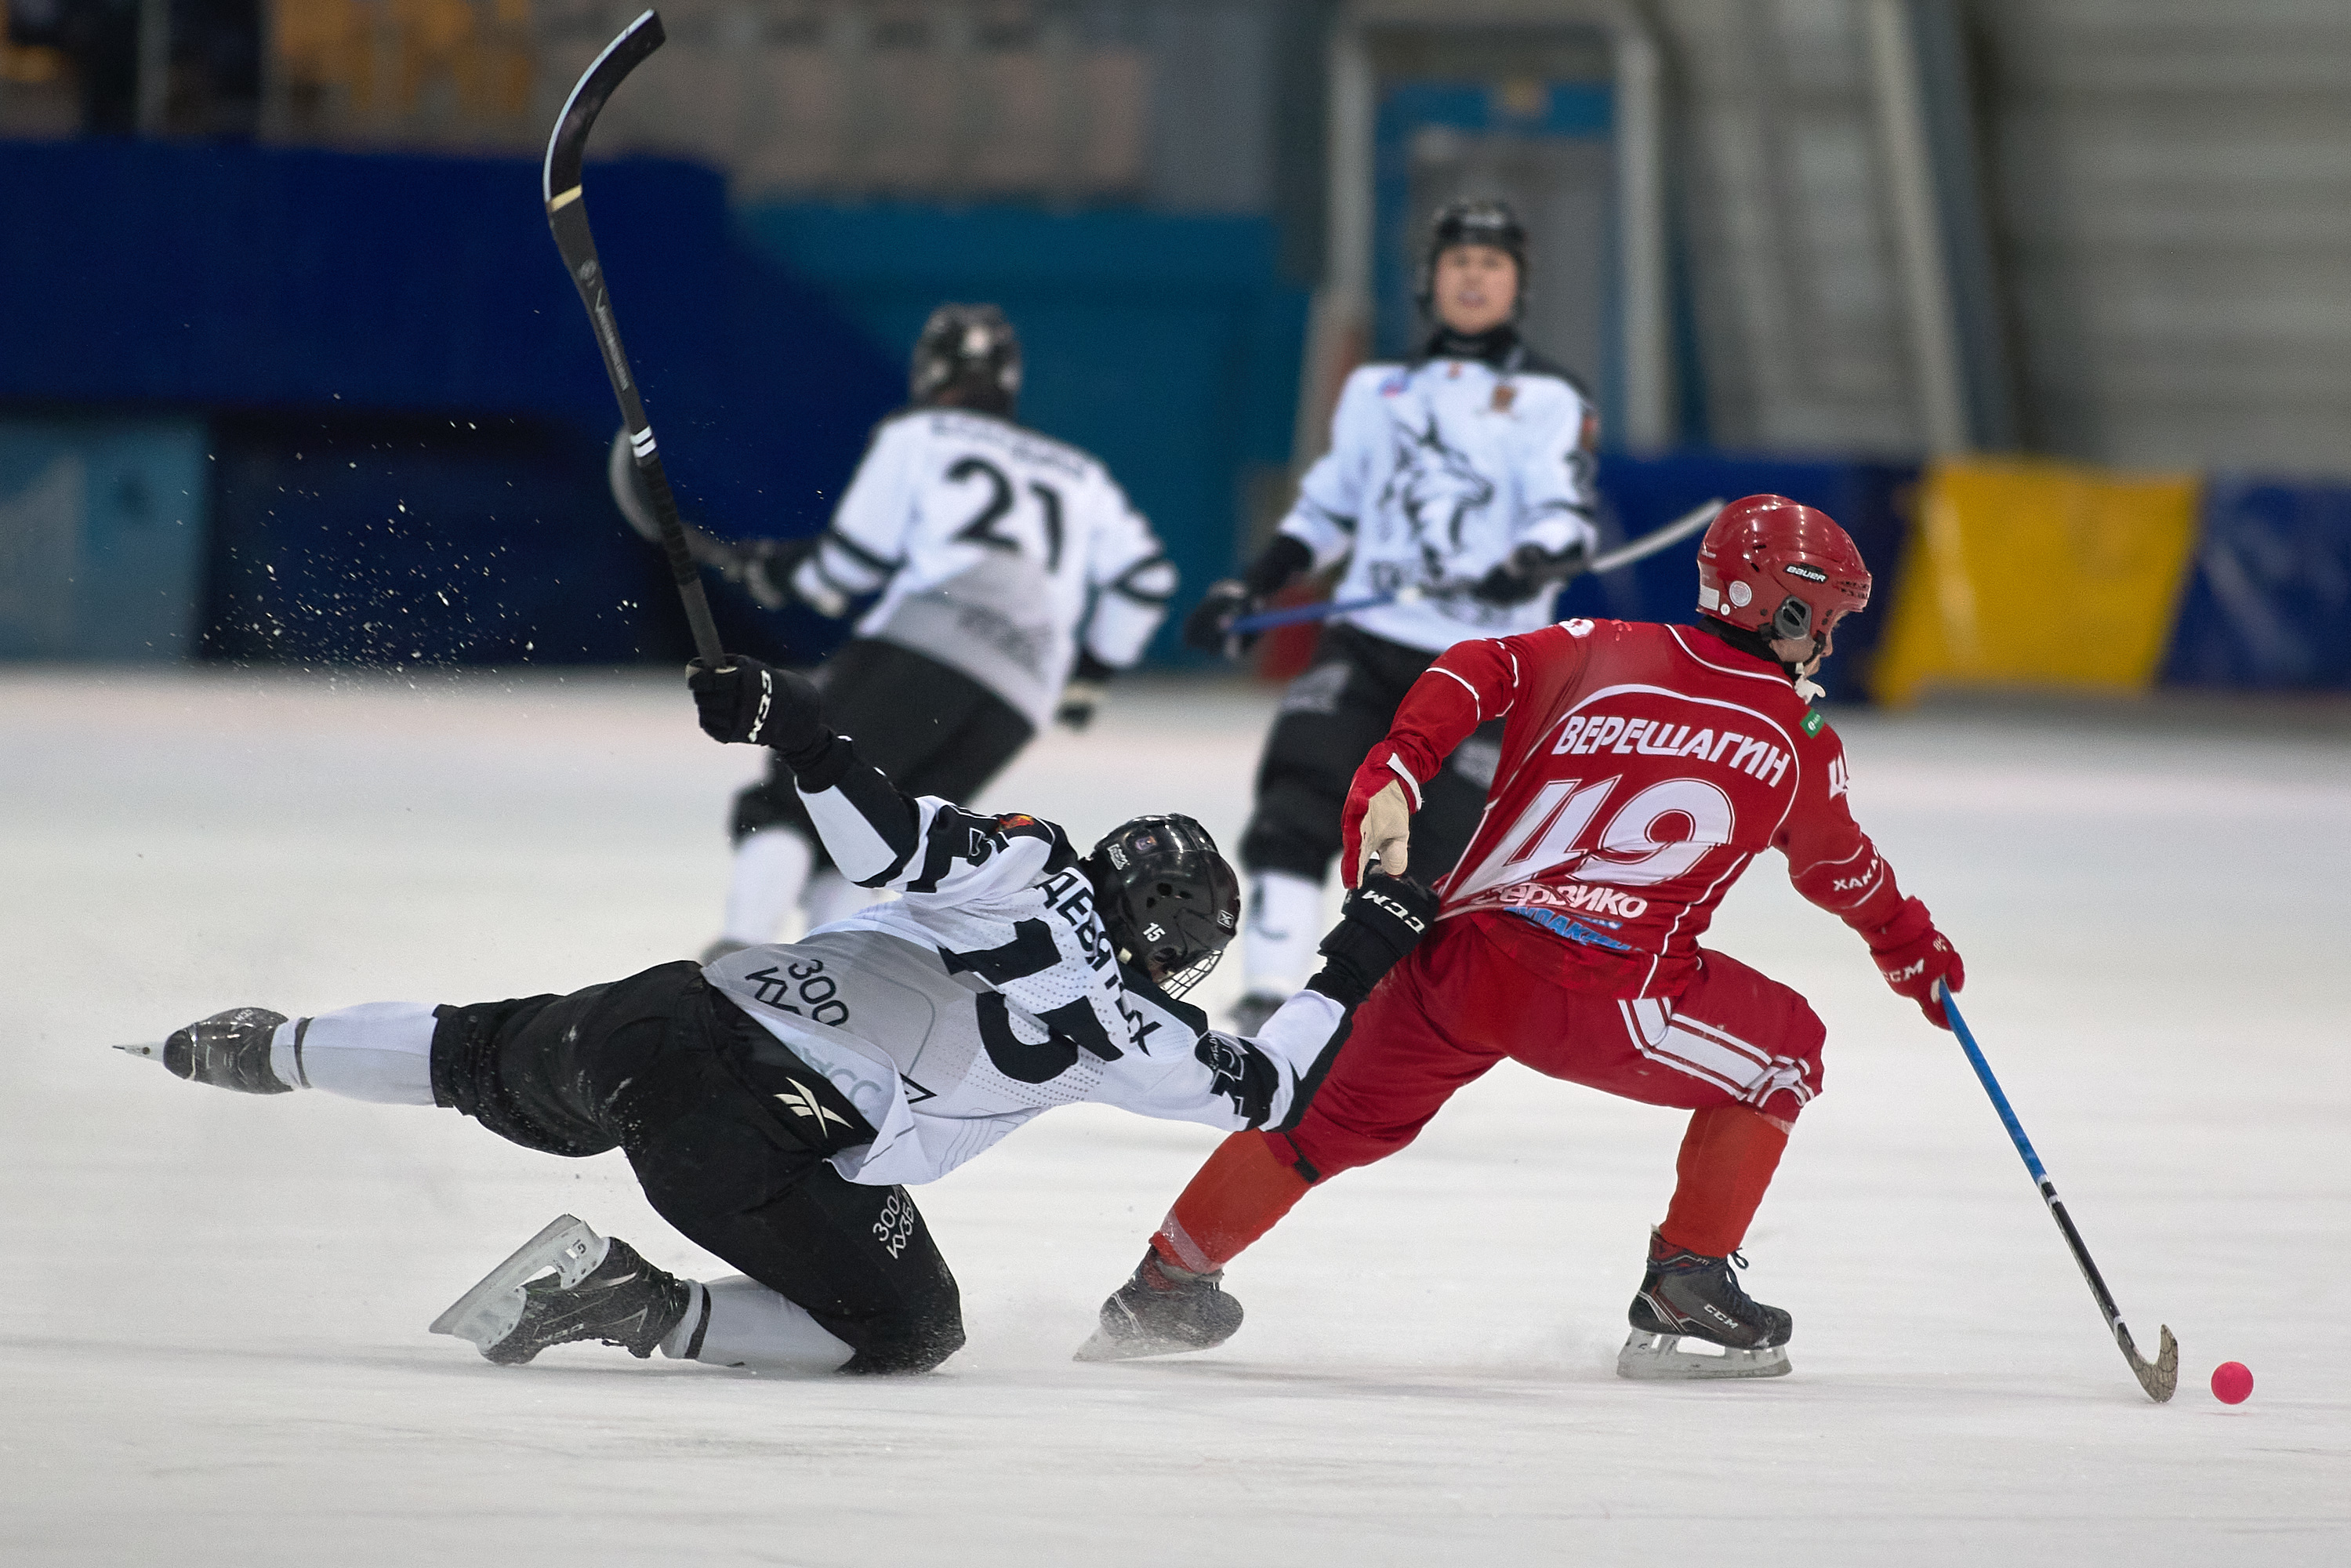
(2161, 1376)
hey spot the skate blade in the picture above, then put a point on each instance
(488, 1313)
(1659, 1358)
(153, 1052)
(1099, 1346)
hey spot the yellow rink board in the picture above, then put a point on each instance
(2026, 573)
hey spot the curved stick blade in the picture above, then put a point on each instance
(568, 144)
(2160, 1378)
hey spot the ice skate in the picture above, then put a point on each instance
(227, 1050)
(597, 1288)
(1162, 1311)
(1689, 1297)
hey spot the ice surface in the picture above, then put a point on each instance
(213, 1346)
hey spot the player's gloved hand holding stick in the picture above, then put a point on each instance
(1211, 629)
(1383, 920)
(745, 702)
(1530, 572)
(1916, 958)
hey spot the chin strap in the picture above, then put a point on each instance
(1749, 641)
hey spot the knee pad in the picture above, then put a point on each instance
(919, 1343)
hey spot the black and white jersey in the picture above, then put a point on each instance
(1436, 472)
(989, 546)
(988, 992)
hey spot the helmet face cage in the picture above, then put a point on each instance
(1485, 220)
(969, 349)
(1168, 899)
(1772, 566)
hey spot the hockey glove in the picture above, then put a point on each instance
(1529, 573)
(1912, 956)
(747, 702)
(764, 568)
(1084, 691)
(1210, 626)
(1383, 920)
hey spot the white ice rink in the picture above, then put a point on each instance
(213, 1308)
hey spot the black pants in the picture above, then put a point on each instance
(1330, 716)
(673, 1074)
(932, 730)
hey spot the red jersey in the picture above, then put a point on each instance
(1643, 767)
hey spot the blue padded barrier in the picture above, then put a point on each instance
(1871, 500)
(2268, 602)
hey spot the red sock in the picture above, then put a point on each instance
(1726, 1160)
(1240, 1194)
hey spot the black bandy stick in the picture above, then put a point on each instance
(567, 214)
(2158, 1376)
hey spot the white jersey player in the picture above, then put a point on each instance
(1011, 579)
(1464, 475)
(774, 1105)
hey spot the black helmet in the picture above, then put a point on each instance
(970, 351)
(1168, 898)
(1485, 220)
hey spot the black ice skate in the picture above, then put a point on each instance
(1688, 1296)
(599, 1290)
(227, 1050)
(1162, 1311)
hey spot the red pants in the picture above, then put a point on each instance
(1460, 1004)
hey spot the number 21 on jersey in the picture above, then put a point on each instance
(1001, 497)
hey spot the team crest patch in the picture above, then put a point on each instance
(1813, 722)
(1505, 394)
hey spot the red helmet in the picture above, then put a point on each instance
(1772, 566)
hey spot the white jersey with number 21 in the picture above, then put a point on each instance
(988, 543)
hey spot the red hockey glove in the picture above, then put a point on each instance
(1390, 839)
(1912, 956)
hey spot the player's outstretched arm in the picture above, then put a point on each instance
(1237, 1082)
(1834, 866)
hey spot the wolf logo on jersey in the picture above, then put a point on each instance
(1437, 485)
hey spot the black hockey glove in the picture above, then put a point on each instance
(1210, 626)
(765, 567)
(750, 702)
(1083, 693)
(1383, 920)
(1529, 573)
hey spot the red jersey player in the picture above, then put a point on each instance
(1644, 767)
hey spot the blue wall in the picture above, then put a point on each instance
(103, 532)
(409, 315)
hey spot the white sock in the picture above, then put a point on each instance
(831, 896)
(752, 1326)
(380, 1051)
(1285, 921)
(771, 871)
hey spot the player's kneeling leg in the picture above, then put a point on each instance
(739, 1172)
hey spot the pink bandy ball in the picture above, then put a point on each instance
(2232, 1382)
